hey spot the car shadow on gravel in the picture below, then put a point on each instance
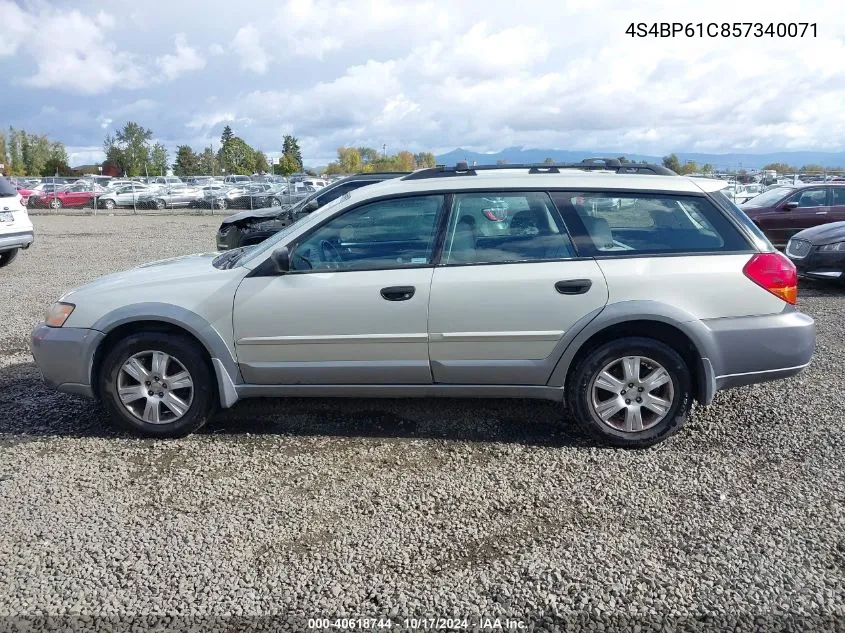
(30, 409)
(819, 288)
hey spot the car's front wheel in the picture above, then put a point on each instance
(109, 204)
(631, 392)
(7, 257)
(55, 203)
(157, 384)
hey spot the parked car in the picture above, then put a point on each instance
(168, 181)
(819, 252)
(75, 195)
(254, 226)
(16, 230)
(234, 179)
(391, 291)
(784, 211)
(170, 196)
(124, 196)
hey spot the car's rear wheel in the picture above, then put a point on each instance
(160, 204)
(221, 203)
(275, 202)
(631, 392)
(109, 204)
(55, 203)
(157, 384)
(7, 257)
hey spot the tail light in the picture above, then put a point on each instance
(775, 273)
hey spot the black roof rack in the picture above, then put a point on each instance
(588, 164)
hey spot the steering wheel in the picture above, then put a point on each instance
(331, 255)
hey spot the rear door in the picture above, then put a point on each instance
(507, 289)
(837, 204)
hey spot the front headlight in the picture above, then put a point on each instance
(58, 313)
(837, 247)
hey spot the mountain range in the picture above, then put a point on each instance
(719, 161)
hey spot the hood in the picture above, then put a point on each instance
(823, 233)
(256, 214)
(156, 273)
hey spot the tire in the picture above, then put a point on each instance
(160, 204)
(275, 202)
(621, 428)
(55, 203)
(184, 356)
(109, 204)
(221, 203)
(7, 257)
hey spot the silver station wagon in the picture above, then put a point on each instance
(623, 292)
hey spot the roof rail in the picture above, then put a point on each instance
(588, 164)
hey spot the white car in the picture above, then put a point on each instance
(465, 282)
(16, 230)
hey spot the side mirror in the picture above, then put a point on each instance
(281, 259)
(789, 206)
(311, 206)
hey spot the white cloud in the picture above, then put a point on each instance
(247, 45)
(184, 60)
(215, 49)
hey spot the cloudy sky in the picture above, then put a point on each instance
(423, 75)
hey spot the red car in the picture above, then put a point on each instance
(784, 211)
(76, 195)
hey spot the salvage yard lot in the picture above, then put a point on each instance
(318, 508)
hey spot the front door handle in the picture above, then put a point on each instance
(398, 293)
(573, 286)
(821, 212)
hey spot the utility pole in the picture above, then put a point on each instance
(384, 150)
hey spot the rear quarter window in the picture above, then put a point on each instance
(622, 223)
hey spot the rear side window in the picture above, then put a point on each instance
(838, 196)
(609, 223)
(6, 188)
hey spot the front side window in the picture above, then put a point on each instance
(810, 198)
(624, 223)
(486, 228)
(393, 233)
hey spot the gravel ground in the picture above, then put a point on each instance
(395, 509)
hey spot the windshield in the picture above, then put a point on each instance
(6, 188)
(279, 237)
(768, 198)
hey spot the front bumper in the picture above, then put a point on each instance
(820, 264)
(756, 349)
(65, 356)
(19, 239)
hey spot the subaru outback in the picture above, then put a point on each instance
(622, 296)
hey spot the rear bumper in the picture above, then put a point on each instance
(64, 356)
(756, 349)
(19, 239)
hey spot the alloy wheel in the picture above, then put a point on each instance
(155, 387)
(631, 394)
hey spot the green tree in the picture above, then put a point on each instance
(349, 159)
(405, 161)
(227, 135)
(368, 154)
(689, 167)
(208, 163)
(262, 165)
(425, 160)
(129, 148)
(671, 162)
(290, 148)
(623, 160)
(158, 159)
(549, 161)
(16, 165)
(707, 168)
(237, 157)
(288, 165)
(187, 162)
(811, 169)
(4, 152)
(781, 168)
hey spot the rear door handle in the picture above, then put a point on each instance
(573, 286)
(821, 212)
(398, 293)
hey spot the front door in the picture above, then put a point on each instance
(354, 307)
(813, 209)
(507, 290)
